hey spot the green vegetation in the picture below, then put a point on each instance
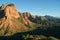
(38, 37)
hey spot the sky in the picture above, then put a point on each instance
(36, 7)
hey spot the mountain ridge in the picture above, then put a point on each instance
(12, 21)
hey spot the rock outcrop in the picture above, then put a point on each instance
(9, 19)
(8, 11)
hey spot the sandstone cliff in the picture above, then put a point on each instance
(9, 19)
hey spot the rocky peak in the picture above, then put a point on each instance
(5, 5)
(27, 14)
(9, 10)
(43, 18)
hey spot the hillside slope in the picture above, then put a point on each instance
(12, 21)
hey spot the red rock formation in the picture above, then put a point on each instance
(10, 11)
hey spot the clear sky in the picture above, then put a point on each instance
(37, 7)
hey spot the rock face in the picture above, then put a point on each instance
(8, 16)
(12, 21)
(7, 12)
(10, 10)
(26, 16)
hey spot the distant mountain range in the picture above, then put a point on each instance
(12, 21)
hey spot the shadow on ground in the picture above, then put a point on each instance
(55, 32)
